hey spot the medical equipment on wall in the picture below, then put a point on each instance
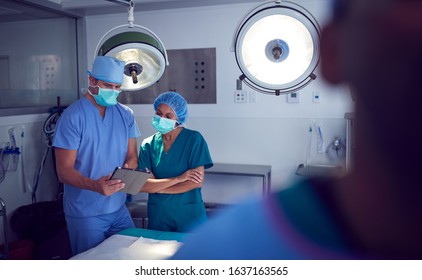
(142, 51)
(336, 151)
(3, 169)
(276, 46)
(9, 155)
(12, 152)
(25, 182)
(49, 128)
(320, 170)
(320, 138)
(9, 158)
(308, 150)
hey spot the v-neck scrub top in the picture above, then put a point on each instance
(101, 145)
(175, 212)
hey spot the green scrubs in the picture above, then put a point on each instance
(175, 212)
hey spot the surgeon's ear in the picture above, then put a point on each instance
(331, 54)
(92, 81)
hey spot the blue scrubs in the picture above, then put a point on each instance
(101, 145)
(175, 212)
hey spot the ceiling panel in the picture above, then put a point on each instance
(16, 10)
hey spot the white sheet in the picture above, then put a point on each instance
(122, 247)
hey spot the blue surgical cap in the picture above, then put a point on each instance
(108, 69)
(176, 102)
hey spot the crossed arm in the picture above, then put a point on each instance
(189, 180)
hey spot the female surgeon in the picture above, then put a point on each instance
(176, 157)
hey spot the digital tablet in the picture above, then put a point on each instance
(134, 179)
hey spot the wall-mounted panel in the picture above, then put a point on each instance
(191, 72)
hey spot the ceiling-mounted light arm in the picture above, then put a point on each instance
(142, 51)
(130, 25)
(130, 17)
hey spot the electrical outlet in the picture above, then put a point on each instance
(240, 96)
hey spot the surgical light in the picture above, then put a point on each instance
(276, 46)
(142, 51)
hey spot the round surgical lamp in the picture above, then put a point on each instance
(276, 47)
(142, 51)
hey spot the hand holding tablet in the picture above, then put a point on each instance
(134, 179)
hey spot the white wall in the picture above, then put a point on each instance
(269, 131)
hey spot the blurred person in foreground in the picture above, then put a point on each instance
(374, 211)
(93, 136)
